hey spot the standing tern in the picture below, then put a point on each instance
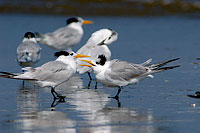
(50, 74)
(64, 37)
(97, 45)
(116, 73)
(28, 52)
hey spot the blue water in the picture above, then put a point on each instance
(154, 105)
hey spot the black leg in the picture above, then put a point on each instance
(90, 80)
(119, 90)
(89, 76)
(55, 103)
(89, 84)
(23, 83)
(96, 85)
(118, 103)
(57, 96)
(117, 95)
(52, 92)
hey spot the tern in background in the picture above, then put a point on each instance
(64, 37)
(50, 74)
(28, 52)
(97, 45)
(116, 73)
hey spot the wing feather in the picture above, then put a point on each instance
(54, 71)
(121, 70)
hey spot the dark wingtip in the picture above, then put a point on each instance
(166, 68)
(173, 60)
(7, 73)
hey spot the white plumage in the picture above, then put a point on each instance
(64, 37)
(28, 52)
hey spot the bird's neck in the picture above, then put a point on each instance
(76, 26)
(67, 60)
(101, 69)
(31, 39)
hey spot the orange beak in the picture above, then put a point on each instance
(87, 22)
(85, 65)
(81, 56)
(91, 64)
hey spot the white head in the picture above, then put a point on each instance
(29, 36)
(66, 56)
(99, 65)
(104, 36)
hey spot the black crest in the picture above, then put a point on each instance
(113, 32)
(57, 54)
(71, 20)
(102, 60)
(29, 35)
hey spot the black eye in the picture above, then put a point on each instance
(71, 54)
(109, 38)
(97, 62)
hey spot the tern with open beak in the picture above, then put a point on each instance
(97, 45)
(116, 73)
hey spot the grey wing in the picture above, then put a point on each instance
(53, 71)
(66, 32)
(121, 70)
(28, 51)
(64, 36)
(28, 46)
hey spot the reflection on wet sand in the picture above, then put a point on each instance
(92, 108)
(122, 120)
(98, 116)
(33, 119)
(74, 83)
(27, 100)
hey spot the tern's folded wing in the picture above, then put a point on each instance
(53, 71)
(28, 46)
(121, 70)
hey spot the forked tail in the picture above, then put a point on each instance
(13, 76)
(158, 67)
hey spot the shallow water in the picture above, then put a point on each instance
(154, 105)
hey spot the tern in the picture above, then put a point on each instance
(97, 45)
(50, 74)
(117, 73)
(64, 37)
(28, 52)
